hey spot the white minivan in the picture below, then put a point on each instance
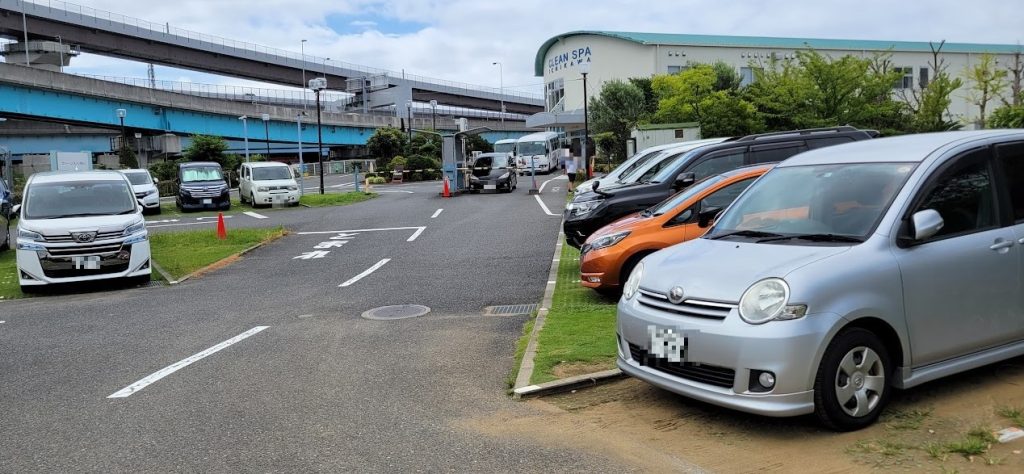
(144, 186)
(80, 226)
(267, 183)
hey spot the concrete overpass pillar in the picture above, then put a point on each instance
(48, 55)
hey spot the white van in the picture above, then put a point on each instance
(267, 183)
(541, 148)
(80, 226)
(507, 145)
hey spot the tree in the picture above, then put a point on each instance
(679, 95)
(1016, 71)
(617, 109)
(694, 96)
(126, 157)
(650, 100)
(987, 82)
(385, 144)
(724, 114)
(929, 104)
(206, 148)
(782, 94)
(478, 143)
(1007, 116)
(426, 144)
(726, 77)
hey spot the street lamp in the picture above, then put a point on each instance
(408, 109)
(24, 27)
(318, 84)
(302, 49)
(501, 93)
(302, 165)
(584, 70)
(433, 114)
(245, 134)
(121, 113)
(325, 71)
(266, 131)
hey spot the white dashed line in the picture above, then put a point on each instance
(415, 234)
(436, 213)
(253, 214)
(181, 364)
(543, 206)
(368, 271)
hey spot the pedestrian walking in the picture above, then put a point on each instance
(570, 171)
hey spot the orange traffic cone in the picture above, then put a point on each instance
(222, 231)
(445, 191)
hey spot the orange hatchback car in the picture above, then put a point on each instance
(609, 255)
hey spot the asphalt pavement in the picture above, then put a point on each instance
(266, 365)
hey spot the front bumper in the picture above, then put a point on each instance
(149, 201)
(717, 349)
(600, 268)
(276, 197)
(577, 231)
(215, 202)
(490, 185)
(66, 263)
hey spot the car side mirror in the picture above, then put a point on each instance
(597, 184)
(155, 181)
(706, 216)
(684, 180)
(16, 209)
(926, 224)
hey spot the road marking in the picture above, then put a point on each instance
(365, 272)
(212, 217)
(342, 185)
(419, 230)
(436, 213)
(415, 234)
(395, 191)
(330, 244)
(183, 223)
(313, 254)
(546, 210)
(253, 214)
(343, 236)
(165, 221)
(181, 364)
(550, 180)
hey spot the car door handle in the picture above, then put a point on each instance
(1001, 245)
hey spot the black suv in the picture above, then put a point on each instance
(201, 185)
(589, 211)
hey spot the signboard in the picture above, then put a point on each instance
(70, 161)
(567, 59)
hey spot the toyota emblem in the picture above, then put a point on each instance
(675, 295)
(83, 237)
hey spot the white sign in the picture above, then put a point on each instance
(70, 161)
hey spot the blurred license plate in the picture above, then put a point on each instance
(667, 343)
(91, 262)
(207, 201)
(490, 186)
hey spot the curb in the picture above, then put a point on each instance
(526, 365)
(203, 269)
(567, 384)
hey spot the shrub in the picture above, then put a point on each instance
(421, 162)
(377, 180)
(398, 161)
(417, 176)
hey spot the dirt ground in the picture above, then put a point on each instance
(924, 429)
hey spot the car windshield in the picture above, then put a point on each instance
(504, 147)
(139, 177)
(205, 173)
(826, 202)
(648, 172)
(78, 199)
(266, 173)
(669, 168)
(532, 148)
(491, 162)
(685, 195)
(634, 163)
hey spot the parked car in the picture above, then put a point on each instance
(144, 186)
(645, 172)
(493, 171)
(590, 211)
(80, 226)
(839, 275)
(634, 162)
(610, 254)
(6, 209)
(267, 183)
(201, 185)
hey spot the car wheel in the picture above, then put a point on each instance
(252, 200)
(852, 383)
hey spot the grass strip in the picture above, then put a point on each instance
(9, 288)
(181, 253)
(335, 199)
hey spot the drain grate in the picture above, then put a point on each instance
(400, 311)
(510, 309)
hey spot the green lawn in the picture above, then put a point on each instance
(335, 199)
(181, 253)
(580, 327)
(9, 288)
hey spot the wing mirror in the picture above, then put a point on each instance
(597, 184)
(16, 209)
(926, 224)
(684, 180)
(707, 216)
(155, 181)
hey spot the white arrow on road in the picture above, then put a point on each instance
(331, 244)
(343, 236)
(313, 254)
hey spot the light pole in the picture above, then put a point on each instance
(245, 134)
(408, 109)
(501, 93)
(325, 71)
(266, 131)
(24, 27)
(60, 45)
(302, 49)
(318, 84)
(433, 114)
(302, 165)
(121, 113)
(584, 70)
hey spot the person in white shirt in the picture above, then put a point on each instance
(570, 171)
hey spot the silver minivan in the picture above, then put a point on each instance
(838, 276)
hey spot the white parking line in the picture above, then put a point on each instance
(395, 191)
(415, 234)
(365, 272)
(546, 210)
(437, 213)
(181, 364)
(550, 180)
(253, 214)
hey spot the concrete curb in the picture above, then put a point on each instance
(526, 365)
(161, 271)
(567, 384)
(203, 269)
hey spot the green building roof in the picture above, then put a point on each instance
(671, 39)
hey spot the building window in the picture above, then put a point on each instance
(674, 69)
(906, 81)
(922, 80)
(555, 92)
(747, 76)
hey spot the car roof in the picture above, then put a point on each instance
(905, 148)
(65, 176)
(537, 136)
(264, 164)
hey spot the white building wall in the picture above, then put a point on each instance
(609, 59)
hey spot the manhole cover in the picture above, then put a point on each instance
(400, 311)
(510, 309)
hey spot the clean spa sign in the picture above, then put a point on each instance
(568, 59)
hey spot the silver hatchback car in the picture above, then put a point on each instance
(841, 274)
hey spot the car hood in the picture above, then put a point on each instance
(143, 188)
(71, 224)
(721, 270)
(629, 222)
(589, 195)
(489, 173)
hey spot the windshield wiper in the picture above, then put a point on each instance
(816, 238)
(746, 233)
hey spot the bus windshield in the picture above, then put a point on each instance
(532, 148)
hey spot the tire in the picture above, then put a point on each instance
(252, 200)
(852, 384)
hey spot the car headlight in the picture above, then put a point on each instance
(135, 228)
(185, 192)
(608, 240)
(473, 178)
(262, 189)
(293, 188)
(29, 235)
(633, 283)
(768, 300)
(151, 192)
(582, 208)
(504, 176)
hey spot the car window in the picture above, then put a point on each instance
(963, 196)
(1011, 159)
(268, 173)
(775, 153)
(725, 196)
(717, 164)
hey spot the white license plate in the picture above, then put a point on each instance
(91, 262)
(490, 186)
(667, 343)
(207, 201)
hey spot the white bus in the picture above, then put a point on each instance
(507, 145)
(542, 148)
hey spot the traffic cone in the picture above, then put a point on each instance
(222, 231)
(445, 191)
